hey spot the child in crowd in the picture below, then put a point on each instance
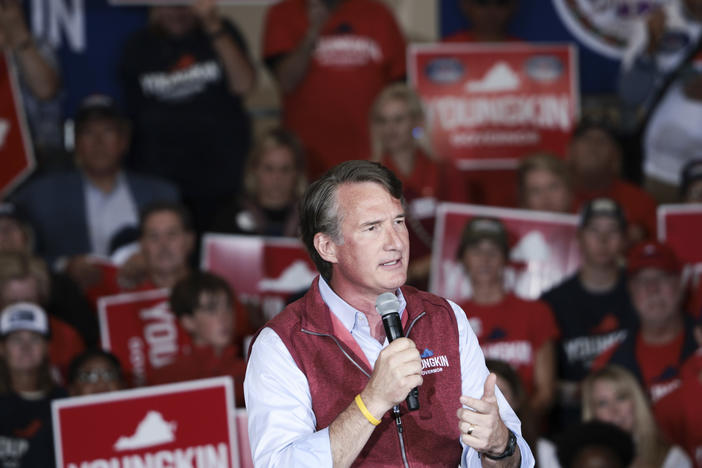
(95, 371)
(204, 305)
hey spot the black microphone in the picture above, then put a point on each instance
(388, 306)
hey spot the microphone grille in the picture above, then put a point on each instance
(387, 303)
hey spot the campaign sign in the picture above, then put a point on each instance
(490, 104)
(680, 226)
(242, 432)
(263, 271)
(543, 249)
(108, 284)
(189, 424)
(141, 331)
(16, 152)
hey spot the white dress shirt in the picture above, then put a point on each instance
(282, 425)
(108, 213)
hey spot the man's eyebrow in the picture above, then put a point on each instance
(371, 223)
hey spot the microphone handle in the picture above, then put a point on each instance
(413, 399)
(393, 330)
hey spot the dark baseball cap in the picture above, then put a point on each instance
(602, 123)
(602, 207)
(98, 106)
(479, 229)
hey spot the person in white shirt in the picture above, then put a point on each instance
(310, 360)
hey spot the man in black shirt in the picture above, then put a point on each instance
(185, 76)
(592, 307)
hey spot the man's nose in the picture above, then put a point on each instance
(393, 238)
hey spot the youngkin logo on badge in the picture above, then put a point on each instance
(432, 364)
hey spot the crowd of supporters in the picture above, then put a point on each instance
(618, 343)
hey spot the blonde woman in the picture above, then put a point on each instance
(399, 142)
(274, 180)
(613, 395)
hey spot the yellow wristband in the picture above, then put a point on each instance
(364, 410)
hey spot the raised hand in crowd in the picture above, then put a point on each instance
(133, 272)
(292, 68)
(83, 271)
(317, 14)
(241, 75)
(13, 29)
(40, 76)
(656, 29)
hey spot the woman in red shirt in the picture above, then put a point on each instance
(399, 142)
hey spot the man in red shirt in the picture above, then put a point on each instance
(664, 339)
(680, 412)
(508, 328)
(594, 156)
(205, 305)
(489, 20)
(330, 59)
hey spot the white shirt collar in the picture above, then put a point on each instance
(343, 311)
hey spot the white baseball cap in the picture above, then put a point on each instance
(23, 316)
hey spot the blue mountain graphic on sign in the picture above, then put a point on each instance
(427, 353)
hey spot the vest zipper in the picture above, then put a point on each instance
(400, 434)
(341, 348)
(409, 329)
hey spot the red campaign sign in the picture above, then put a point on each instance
(184, 424)
(680, 226)
(490, 104)
(16, 153)
(141, 331)
(543, 249)
(263, 271)
(242, 432)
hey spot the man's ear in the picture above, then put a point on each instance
(190, 241)
(325, 246)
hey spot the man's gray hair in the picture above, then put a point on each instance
(319, 207)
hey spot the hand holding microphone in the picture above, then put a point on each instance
(388, 306)
(398, 369)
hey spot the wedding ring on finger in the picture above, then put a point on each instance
(470, 429)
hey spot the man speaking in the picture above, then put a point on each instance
(323, 386)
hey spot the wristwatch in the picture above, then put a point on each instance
(509, 451)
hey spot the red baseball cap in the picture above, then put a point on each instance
(651, 254)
